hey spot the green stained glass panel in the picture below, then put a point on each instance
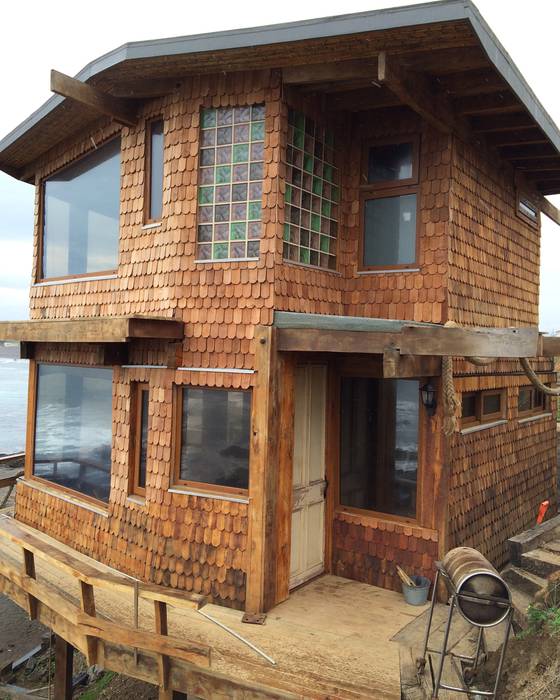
(315, 222)
(205, 195)
(238, 231)
(223, 174)
(254, 211)
(257, 131)
(240, 153)
(208, 118)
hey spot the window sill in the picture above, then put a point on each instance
(153, 224)
(532, 419)
(483, 426)
(185, 491)
(137, 500)
(62, 496)
(307, 266)
(74, 280)
(388, 271)
(383, 521)
(225, 260)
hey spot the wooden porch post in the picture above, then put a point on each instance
(270, 474)
(64, 656)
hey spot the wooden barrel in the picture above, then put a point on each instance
(474, 576)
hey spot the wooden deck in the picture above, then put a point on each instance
(332, 638)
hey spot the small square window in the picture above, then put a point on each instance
(479, 407)
(390, 162)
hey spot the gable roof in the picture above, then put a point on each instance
(411, 31)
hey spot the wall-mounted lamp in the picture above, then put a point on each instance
(429, 400)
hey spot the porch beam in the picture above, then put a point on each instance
(121, 110)
(553, 213)
(415, 340)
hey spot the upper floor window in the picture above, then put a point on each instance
(389, 204)
(527, 210)
(231, 170)
(140, 401)
(81, 215)
(73, 428)
(154, 171)
(312, 194)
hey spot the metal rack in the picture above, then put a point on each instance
(472, 662)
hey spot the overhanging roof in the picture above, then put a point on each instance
(119, 329)
(120, 71)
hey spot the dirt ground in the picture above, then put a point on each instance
(531, 669)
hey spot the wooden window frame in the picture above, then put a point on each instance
(386, 189)
(135, 447)
(534, 410)
(481, 418)
(334, 450)
(148, 168)
(31, 433)
(201, 487)
(523, 198)
(39, 276)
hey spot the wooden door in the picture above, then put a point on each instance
(307, 556)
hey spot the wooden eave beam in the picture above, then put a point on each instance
(553, 213)
(92, 330)
(362, 100)
(415, 90)
(550, 344)
(502, 122)
(120, 109)
(329, 72)
(501, 102)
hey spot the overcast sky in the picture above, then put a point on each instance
(65, 35)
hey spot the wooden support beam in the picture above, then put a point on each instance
(497, 123)
(114, 354)
(529, 152)
(29, 568)
(121, 110)
(26, 351)
(329, 72)
(160, 616)
(469, 342)
(415, 90)
(516, 138)
(549, 210)
(263, 471)
(362, 99)
(63, 664)
(472, 82)
(397, 366)
(87, 600)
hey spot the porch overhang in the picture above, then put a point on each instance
(302, 332)
(119, 329)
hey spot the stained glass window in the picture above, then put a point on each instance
(312, 194)
(231, 171)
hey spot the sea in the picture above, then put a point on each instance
(13, 400)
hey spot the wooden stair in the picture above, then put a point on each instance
(535, 556)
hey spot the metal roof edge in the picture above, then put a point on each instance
(511, 74)
(374, 20)
(408, 15)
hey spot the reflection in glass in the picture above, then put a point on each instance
(390, 162)
(379, 444)
(143, 439)
(81, 219)
(73, 428)
(390, 231)
(215, 437)
(156, 170)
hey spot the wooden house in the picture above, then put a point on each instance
(248, 250)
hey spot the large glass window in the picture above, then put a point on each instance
(230, 183)
(389, 203)
(81, 215)
(379, 420)
(73, 428)
(215, 427)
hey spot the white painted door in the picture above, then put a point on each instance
(309, 484)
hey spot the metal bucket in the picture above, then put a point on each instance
(418, 594)
(483, 597)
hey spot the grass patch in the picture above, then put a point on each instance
(98, 687)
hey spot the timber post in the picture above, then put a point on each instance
(64, 657)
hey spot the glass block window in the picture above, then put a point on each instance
(312, 194)
(231, 168)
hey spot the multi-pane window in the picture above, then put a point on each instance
(212, 438)
(479, 407)
(379, 423)
(154, 171)
(312, 194)
(389, 204)
(73, 428)
(231, 169)
(81, 215)
(139, 438)
(531, 401)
